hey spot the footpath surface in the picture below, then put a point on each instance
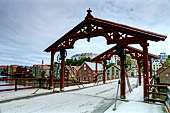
(7, 96)
(135, 104)
(91, 99)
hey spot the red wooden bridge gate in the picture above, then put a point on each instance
(115, 33)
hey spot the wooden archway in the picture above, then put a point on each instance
(114, 33)
(135, 54)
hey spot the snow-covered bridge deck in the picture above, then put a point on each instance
(96, 99)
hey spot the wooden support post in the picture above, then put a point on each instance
(63, 55)
(150, 60)
(16, 84)
(123, 81)
(96, 76)
(122, 55)
(52, 70)
(40, 82)
(145, 68)
(139, 72)
(104, 72)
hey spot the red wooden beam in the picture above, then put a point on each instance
(161, 86)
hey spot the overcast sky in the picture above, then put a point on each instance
(27, 27)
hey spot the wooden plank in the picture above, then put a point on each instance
(156, 100)
(158, 93)
(161, 86)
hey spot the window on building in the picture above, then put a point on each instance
(89, 71)
(84, 66)
(84, 78)
(117, 72)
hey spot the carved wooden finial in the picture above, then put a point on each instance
(89, 13)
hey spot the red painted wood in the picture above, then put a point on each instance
(145, 68)
(104, 72)
(96, 76)
(52, 70)
(123, 81)
(62, 54)
(157, 93)
(150, 60)
(139, 72)
(114, 33)
(161, 86)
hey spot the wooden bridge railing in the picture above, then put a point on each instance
(159, 93)
(8, 84)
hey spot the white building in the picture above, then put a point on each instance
(133, 68)
(163, 56)
(117, 59)
(83, 55)
(156, 64)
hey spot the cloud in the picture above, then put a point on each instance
(29, 27)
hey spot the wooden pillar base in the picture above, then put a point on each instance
(61, 89)
(123, 97)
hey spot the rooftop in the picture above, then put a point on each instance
(92, 65)
(82, 31)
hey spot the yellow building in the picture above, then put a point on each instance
(164, 76)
